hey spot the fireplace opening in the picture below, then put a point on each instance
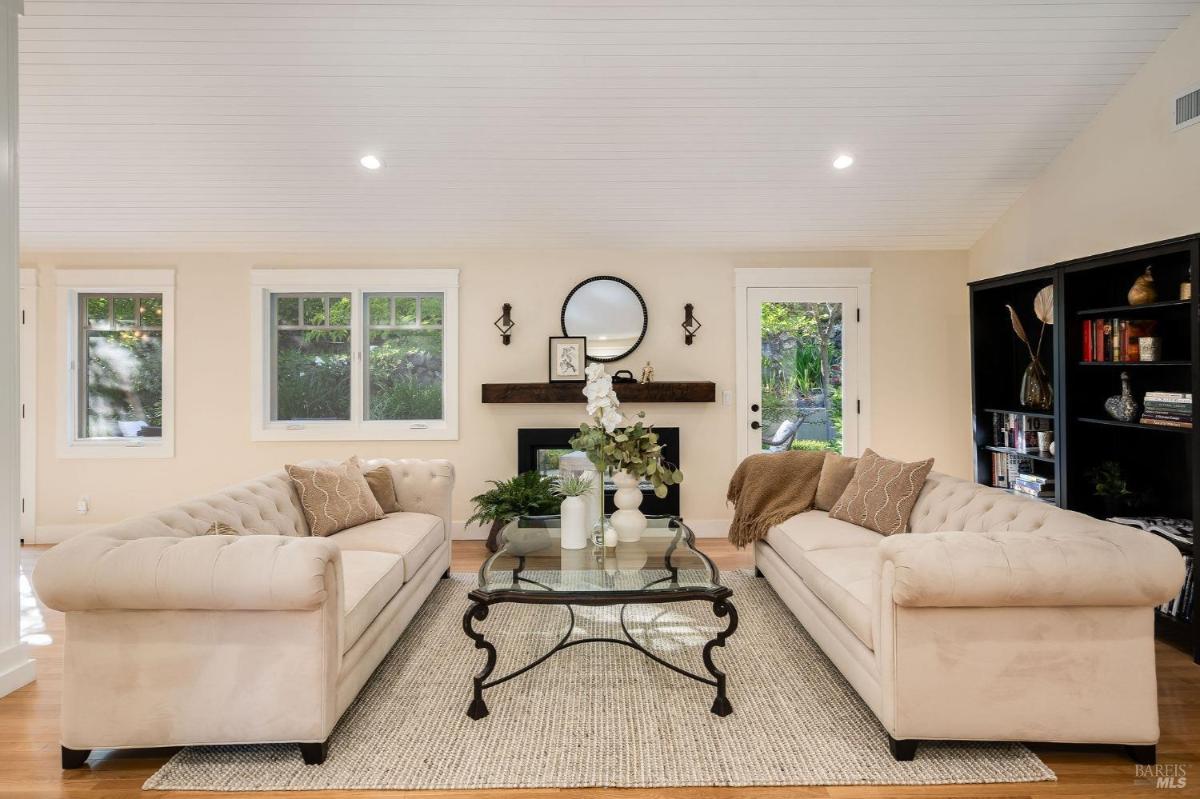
(539, 448)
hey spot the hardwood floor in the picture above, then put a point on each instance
(29, 755)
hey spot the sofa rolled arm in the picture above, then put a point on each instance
(208, 572)
(1105, 568)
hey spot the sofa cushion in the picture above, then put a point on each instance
(836, 560)
(370, 579)
(334, 497)
(882, 493)
(384, 489)
(412, 536)
(836, 473)
(816, 530)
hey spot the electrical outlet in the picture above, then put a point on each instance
(727, 398)
(83, 506)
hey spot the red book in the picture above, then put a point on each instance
(1087, 340)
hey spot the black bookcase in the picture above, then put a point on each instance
(1159, 463)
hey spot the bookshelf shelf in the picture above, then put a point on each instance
(1017, 493)
(1135, 364)
(1160, 465)
(1035, 455)
(1117, 310)
(1031, 414)
(1134, 425)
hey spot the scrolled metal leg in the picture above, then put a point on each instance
(478, 612)
(721, 608)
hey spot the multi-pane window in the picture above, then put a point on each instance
(312, 357)
(120, 374)
(356, 354)
(404, 356)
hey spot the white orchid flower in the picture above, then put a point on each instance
(611, 419)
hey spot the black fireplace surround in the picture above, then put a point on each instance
(532, 440)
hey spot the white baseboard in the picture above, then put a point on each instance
(17, 669)
(703, 528)
(57, 533)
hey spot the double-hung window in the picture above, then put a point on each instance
(364, 354)
(116, 397)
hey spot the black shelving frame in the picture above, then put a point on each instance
(1163, 462)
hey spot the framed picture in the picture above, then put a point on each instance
(568, 359)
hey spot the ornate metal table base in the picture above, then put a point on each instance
(479, 612)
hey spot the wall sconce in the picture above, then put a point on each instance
(505, 324)
(690, 324)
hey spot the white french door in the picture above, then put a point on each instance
(803, 363)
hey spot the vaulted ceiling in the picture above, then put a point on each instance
(684, 123)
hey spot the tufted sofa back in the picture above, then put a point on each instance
(951, 504)
(265, 505)
(268, 504)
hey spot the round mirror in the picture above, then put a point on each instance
(609, 313)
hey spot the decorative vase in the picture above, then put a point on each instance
(1143, 290)
(573, 511)
(1122, 407)
(1036, 392)
(628, 521)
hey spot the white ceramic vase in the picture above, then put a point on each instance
(574, 530)
(628, 521)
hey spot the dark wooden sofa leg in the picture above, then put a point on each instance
(446, 574)
(74, 758)
(757, 572)
(1143, 755)
(315, 754)
(902, 750)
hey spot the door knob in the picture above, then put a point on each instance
(755, 425)
(754, 408)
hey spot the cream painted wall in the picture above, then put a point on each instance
(1126, 180)
(919, 358)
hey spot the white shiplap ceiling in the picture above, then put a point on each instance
(702, 123)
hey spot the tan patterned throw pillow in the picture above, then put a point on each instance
(221, 528)
(334, 497)
(836, 473)
(882, 493)
(384, 488)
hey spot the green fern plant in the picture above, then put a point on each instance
(527, 494)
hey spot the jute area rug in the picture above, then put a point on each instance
(602, 714)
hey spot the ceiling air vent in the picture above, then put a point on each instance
(1187, 108)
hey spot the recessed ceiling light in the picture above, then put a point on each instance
(370, 162)
(842, 161)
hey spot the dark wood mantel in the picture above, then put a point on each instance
(566, 393)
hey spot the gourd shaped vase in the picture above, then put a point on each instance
(1122, 407)
(627, 520)
(1143, 290)
(1036, 392)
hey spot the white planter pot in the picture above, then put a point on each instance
(628, 521)
(574, 522)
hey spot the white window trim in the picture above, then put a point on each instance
(814, 278)
(70, 284)
(265, 282)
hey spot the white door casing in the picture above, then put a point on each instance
(852, 288)
(28, 344)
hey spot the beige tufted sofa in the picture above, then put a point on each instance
(176, 638)
(997, 617)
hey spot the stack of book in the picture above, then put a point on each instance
(1114, 340)
(1034, 485)
(1167, 409)
(1181, 606)
(1180, 532)
(1006, 469)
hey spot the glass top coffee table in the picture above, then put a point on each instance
(531, 567)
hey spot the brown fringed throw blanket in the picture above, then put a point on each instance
(771, 488)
